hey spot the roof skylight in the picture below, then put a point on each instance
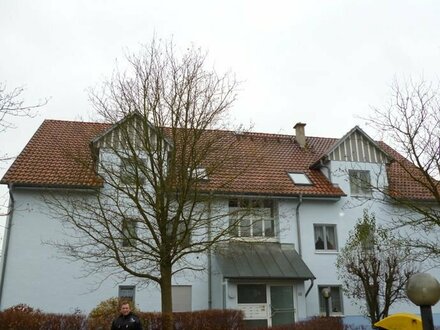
(300, 179)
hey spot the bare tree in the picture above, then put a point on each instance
(12, 105)
(160, 164)
(374, 267)
(411, 126)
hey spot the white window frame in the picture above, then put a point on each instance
(199, 173)
(247, 206)
(261, 311)
(129, 232)
(300, 179)
(182, 298)
(124, 170)
(359, 186)
(325, 227)
(321, 301)
(126, 288)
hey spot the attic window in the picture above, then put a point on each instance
(300, 179)
(199, 173)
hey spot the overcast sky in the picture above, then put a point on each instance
(325, 63)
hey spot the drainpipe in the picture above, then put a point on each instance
(6, 242)
(298, 227)
(209, 255)
(310, 287)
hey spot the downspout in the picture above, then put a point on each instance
(6, 242)
(298, 231)
(209, 255)
(310, 287)
(298, 227)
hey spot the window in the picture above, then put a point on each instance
(131, 171)
(129, 232)
(335, 300)
(251, 293)
(300, 179)
(181, 295)
(360, 184)
(252, 218)
(199, 173)
(325, 237)
(126, 292)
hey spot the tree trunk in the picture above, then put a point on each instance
(167, 302)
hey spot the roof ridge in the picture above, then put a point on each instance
(76, 121)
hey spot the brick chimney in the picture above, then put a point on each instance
(300, 135)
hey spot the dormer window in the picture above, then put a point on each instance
(300, 179)
(131, 171)
(360, 183)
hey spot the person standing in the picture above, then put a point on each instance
(126, 319)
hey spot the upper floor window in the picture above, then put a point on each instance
(129, 232)
(198, 173)
(335, 300)
(131, 171)
(325, 237)
(360, 182)
(252, 217)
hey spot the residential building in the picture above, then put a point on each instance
(306, 193)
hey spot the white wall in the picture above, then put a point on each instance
(38, 275)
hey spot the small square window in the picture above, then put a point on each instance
(325, 237)
(182, 301)
(300, 179)
(127, 292)
(360, 183)
(335, 300)
(131, 171)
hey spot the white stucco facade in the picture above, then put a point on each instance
(38, 274)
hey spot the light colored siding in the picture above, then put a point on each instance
(357, 148)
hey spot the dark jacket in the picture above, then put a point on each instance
(129, 322)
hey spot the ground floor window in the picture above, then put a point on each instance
(127, 292)
(181, 295)
(266, 305)
(335, 300)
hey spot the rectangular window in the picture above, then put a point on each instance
(335, 300)
(126, 292)
(198, 173)
(300, 179)
(325, 237)
(251, 293)
(129, 232)
(181, 295)
(252, 218)
(360, 183)
(131, 171)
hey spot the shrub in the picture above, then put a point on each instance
(209, 320)
(23, 317)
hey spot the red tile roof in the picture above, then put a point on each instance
(260, 163)
(59, 154)
(404, 178)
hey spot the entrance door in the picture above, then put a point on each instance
(281, 303)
